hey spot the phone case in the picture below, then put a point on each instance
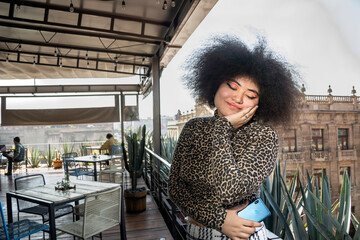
(255, 211)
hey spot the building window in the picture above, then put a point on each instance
(341, 173)
(290, 141)
(290, 174)
(343, 136)
(317, 140)
(318, 174)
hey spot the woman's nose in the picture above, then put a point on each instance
(238, 96)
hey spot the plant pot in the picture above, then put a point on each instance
(135, 201)
(57, 164)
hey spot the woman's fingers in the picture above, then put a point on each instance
(236, 227)
(251, 112)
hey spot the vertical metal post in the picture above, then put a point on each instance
(156, 105)
(156, 116)
(122, 106)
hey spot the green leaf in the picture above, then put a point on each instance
(334, 221)
(344, 214)
(297, 224)
(279, 214)
(312, 209)
(319, 226)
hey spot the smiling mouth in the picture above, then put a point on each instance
(233, 106)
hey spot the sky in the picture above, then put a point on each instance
(319, 37)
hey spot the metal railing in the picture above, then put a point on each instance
(156, 174)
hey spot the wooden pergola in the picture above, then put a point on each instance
(53, 39)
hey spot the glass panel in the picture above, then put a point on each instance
(313, 145)
(286, 148)
(342, 132)
(345, 144)
(320, 145)
(293, 147)
(339, 143)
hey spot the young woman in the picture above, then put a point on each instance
(220, 162)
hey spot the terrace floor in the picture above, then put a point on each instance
(145, 226)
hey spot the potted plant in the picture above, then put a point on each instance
(57, 162)
(64, 184)
(135, 198)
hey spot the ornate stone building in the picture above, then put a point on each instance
(325, 136)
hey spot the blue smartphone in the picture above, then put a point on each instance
(255, 211)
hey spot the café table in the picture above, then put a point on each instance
(94, 159)
(46, 195)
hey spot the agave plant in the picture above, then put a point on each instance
(35, 158)
(308, 212)
(135, 156)
(49, 156)
(168, 145)
(68, 148)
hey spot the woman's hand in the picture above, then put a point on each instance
(238, 228)
(242, 117)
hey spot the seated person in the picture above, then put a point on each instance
(17, 156)
(109, 143)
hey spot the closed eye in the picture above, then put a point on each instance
(232, 85)
(251, 95)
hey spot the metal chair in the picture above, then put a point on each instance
(19, 229)
(17, 165)
(100, 212)
(33, 208)
(116, 166)
(73, 168)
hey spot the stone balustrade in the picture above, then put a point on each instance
(293, 157)
(349, 154)
(320, 156)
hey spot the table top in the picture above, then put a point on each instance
(91, 158)
(93, 147)
(48, 192)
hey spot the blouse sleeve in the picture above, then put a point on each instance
(237, 179)
(105, 145)
(209, 212)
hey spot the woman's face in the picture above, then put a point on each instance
(235, 95)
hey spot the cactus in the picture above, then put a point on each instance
(135, 156)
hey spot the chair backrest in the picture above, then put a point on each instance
(101, 211)
(69, 155)
(25, 182)
(117, 155)
(3, 228)
(116, 150)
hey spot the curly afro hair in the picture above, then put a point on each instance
(226, 57)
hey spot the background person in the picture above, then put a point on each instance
(108, 144)
(17, 156)
(220, 162)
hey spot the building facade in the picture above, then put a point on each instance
(324, 137)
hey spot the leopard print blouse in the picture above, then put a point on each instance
(215, 168)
